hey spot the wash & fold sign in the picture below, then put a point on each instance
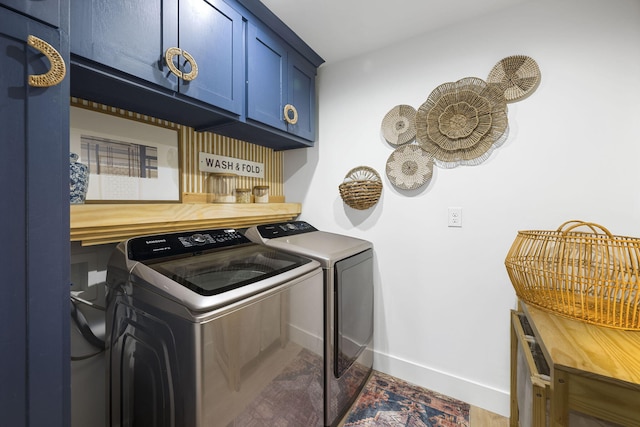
(222, 164)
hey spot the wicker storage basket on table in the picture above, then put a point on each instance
(590, 275)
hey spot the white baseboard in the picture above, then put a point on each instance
(479, 395)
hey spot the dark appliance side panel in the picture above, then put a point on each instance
(354, 309)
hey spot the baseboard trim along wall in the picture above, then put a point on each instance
(479, 395)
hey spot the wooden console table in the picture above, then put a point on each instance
(595, 370)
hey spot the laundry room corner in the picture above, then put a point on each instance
(442, 293)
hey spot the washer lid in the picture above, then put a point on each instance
(207, 269)
(215, 272)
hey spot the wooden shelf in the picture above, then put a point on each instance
(95, 224)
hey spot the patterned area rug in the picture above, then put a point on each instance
(389, 402)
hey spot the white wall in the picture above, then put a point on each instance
(442, 294)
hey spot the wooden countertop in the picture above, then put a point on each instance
(94, 224)
(576, 345)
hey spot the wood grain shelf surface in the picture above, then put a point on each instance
(595, 370)
(577, 345)
(94, 224)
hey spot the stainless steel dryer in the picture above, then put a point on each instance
(210, 329)
(347, 265)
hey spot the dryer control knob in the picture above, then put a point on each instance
(198, 239)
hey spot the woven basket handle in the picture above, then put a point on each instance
(574, 223)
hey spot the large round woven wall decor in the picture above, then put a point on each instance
(515, 76)
(398, 125)
(409, 167)
(461, 122)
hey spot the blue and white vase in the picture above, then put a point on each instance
(79, 179)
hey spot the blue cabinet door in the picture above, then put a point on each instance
(34, 219)
(266, 78)
(212, 33)
(302, 95)
(278, 76)
(130, 37)
(133, 38)
(43, 10)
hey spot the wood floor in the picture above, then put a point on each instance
(481, 418)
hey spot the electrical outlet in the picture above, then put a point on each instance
(455, 217)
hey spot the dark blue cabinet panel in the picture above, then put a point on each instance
(13, 292)
(133, 38)
(212, 32)
(278, 76)
(130, 37)
(44, 10)
(302, 95)
(246, 73)
(34, 219)
(266, 78)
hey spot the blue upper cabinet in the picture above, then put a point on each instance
(280, 85)
(47, 11)
(191, 47)
(128, 37)
(229, 66)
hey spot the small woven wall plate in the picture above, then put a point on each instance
(410, 167)
(516, 76)
(398, 125)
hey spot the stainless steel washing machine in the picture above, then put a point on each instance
(210, 329)
(347, 265)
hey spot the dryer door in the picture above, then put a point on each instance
(353, 291)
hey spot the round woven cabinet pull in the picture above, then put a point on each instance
(191, 75)
(172, 52)
(58, 69)
(292, 120)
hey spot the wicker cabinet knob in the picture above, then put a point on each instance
(58, 69)
(169, 56)
(290, 114)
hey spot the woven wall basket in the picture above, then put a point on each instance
(361, 188)
(589, 275)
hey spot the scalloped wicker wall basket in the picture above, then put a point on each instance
(589, 275)
(361, 188)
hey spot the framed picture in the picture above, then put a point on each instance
(128, 160)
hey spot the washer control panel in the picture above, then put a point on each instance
(272, 231)
(164, 245)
